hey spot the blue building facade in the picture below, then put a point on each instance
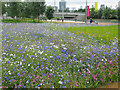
(62, 5)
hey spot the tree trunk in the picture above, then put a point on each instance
(38, 19)
(17, 17)
(24, 20)
(33, 19)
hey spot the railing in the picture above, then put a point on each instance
(66, 13)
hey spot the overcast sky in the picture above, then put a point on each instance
(77, 3)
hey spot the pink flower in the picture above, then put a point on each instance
(89, 74)
(96, 79)
(77, 85)
(37, 77)
(20, 85)
(87, 57)
(49, 74)
(83, 69)
(15, 85)
(23, 73)
(110, 62)
(101, 80)
(33, 81)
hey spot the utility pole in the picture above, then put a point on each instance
(86, 13)
(62, 12)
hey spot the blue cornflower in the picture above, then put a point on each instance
(8, 62)
(63, 86)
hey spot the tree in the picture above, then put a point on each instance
(3, 8)
(49, 12)
(113, 13)
(100, 13)
(40, 8)
(76, 11)
(37, 8)
(81, 10)
(119, 13)
(25, 9)
(60, 10)
(13, 9)
(33, 10)
(67, 10)
(92, 12)
(107, 12)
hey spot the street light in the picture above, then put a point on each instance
(62, 13)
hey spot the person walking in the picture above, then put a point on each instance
(91, 20)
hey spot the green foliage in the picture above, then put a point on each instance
(37, 8)
(107, 12)
(3, 7)
(119, 13)
(13, 9)
(105, 33)
(67, 10)
(81, 10)
(100, 13)
(25, 9)
(49, 12)
(92, 12)
(20, 21)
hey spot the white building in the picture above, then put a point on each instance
(102, 6)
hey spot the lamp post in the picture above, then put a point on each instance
(62, 13)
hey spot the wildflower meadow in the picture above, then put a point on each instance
(52, 55)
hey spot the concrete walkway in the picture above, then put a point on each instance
(68, 21)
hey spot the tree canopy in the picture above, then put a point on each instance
(49, 12)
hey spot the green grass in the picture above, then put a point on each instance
(105, 33)
(20, 21)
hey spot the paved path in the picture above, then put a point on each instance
(66, 21)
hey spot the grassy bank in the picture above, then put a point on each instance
(21, 21)
(101, 33)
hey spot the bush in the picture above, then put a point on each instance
(20, 21)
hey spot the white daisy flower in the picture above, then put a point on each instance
(28, 64)
(51, 56)
(60, 82)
